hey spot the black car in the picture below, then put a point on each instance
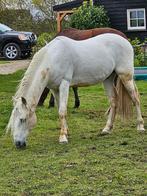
(14, 44)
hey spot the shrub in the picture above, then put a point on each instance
(138, 52)
(89, 17)
(44, 38)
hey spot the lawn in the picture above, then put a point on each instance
(3, 62)
(90, 164)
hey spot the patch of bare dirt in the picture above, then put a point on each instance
(13, 66)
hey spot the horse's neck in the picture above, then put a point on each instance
(33, 84)
(38, 83)
(35, 79)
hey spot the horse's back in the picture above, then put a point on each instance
(89, 61)
(100, 39)
(106, 47)
(111, 41)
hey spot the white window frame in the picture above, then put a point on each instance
(129, 19)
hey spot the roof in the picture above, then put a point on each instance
(68, 6)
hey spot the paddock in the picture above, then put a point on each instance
(89, 164)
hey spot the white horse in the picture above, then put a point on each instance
(106, 58)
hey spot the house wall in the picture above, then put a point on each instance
(117, 12)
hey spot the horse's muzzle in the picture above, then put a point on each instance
(20, 145)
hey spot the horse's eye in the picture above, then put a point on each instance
(22, 120)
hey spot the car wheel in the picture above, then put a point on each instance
(11, 51)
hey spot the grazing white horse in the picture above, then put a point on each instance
(62, 63)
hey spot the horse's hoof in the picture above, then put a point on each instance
(140, 128)
(77, 104)
(105, 132)
(40, 105)
(63, 139)
(51, 106)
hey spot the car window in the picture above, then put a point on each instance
(4, 28)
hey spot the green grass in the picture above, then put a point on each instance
(3, 62)
(90, 164)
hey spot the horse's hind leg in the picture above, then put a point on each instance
(55, 93)
(63, 99)
(110, 90)
(43, 96)
(77, 100)
(131, 88)
(51, 101)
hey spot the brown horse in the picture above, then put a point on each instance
(77, 34)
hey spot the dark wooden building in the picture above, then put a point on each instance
(128, 16)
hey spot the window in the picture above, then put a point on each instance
(136, 19)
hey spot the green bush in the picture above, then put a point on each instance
(44, 38)
(89, 17)
(138, 52)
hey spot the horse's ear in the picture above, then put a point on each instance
(24, 101)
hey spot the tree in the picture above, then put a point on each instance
(89, 17)
(46, 6)
(12, 4)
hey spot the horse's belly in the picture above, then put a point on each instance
(92, 66)
(86, 80)
(91, 75)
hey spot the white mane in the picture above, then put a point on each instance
(26, 81)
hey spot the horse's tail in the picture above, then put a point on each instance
(124, 101)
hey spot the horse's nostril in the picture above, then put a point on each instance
(20, 144)
(24, 145)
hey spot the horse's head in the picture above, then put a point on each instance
(21, 121)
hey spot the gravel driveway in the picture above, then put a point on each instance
(13, 66)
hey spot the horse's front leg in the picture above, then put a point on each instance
(63, 99)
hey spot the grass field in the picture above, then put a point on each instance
(3, 62)
(90, 164)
